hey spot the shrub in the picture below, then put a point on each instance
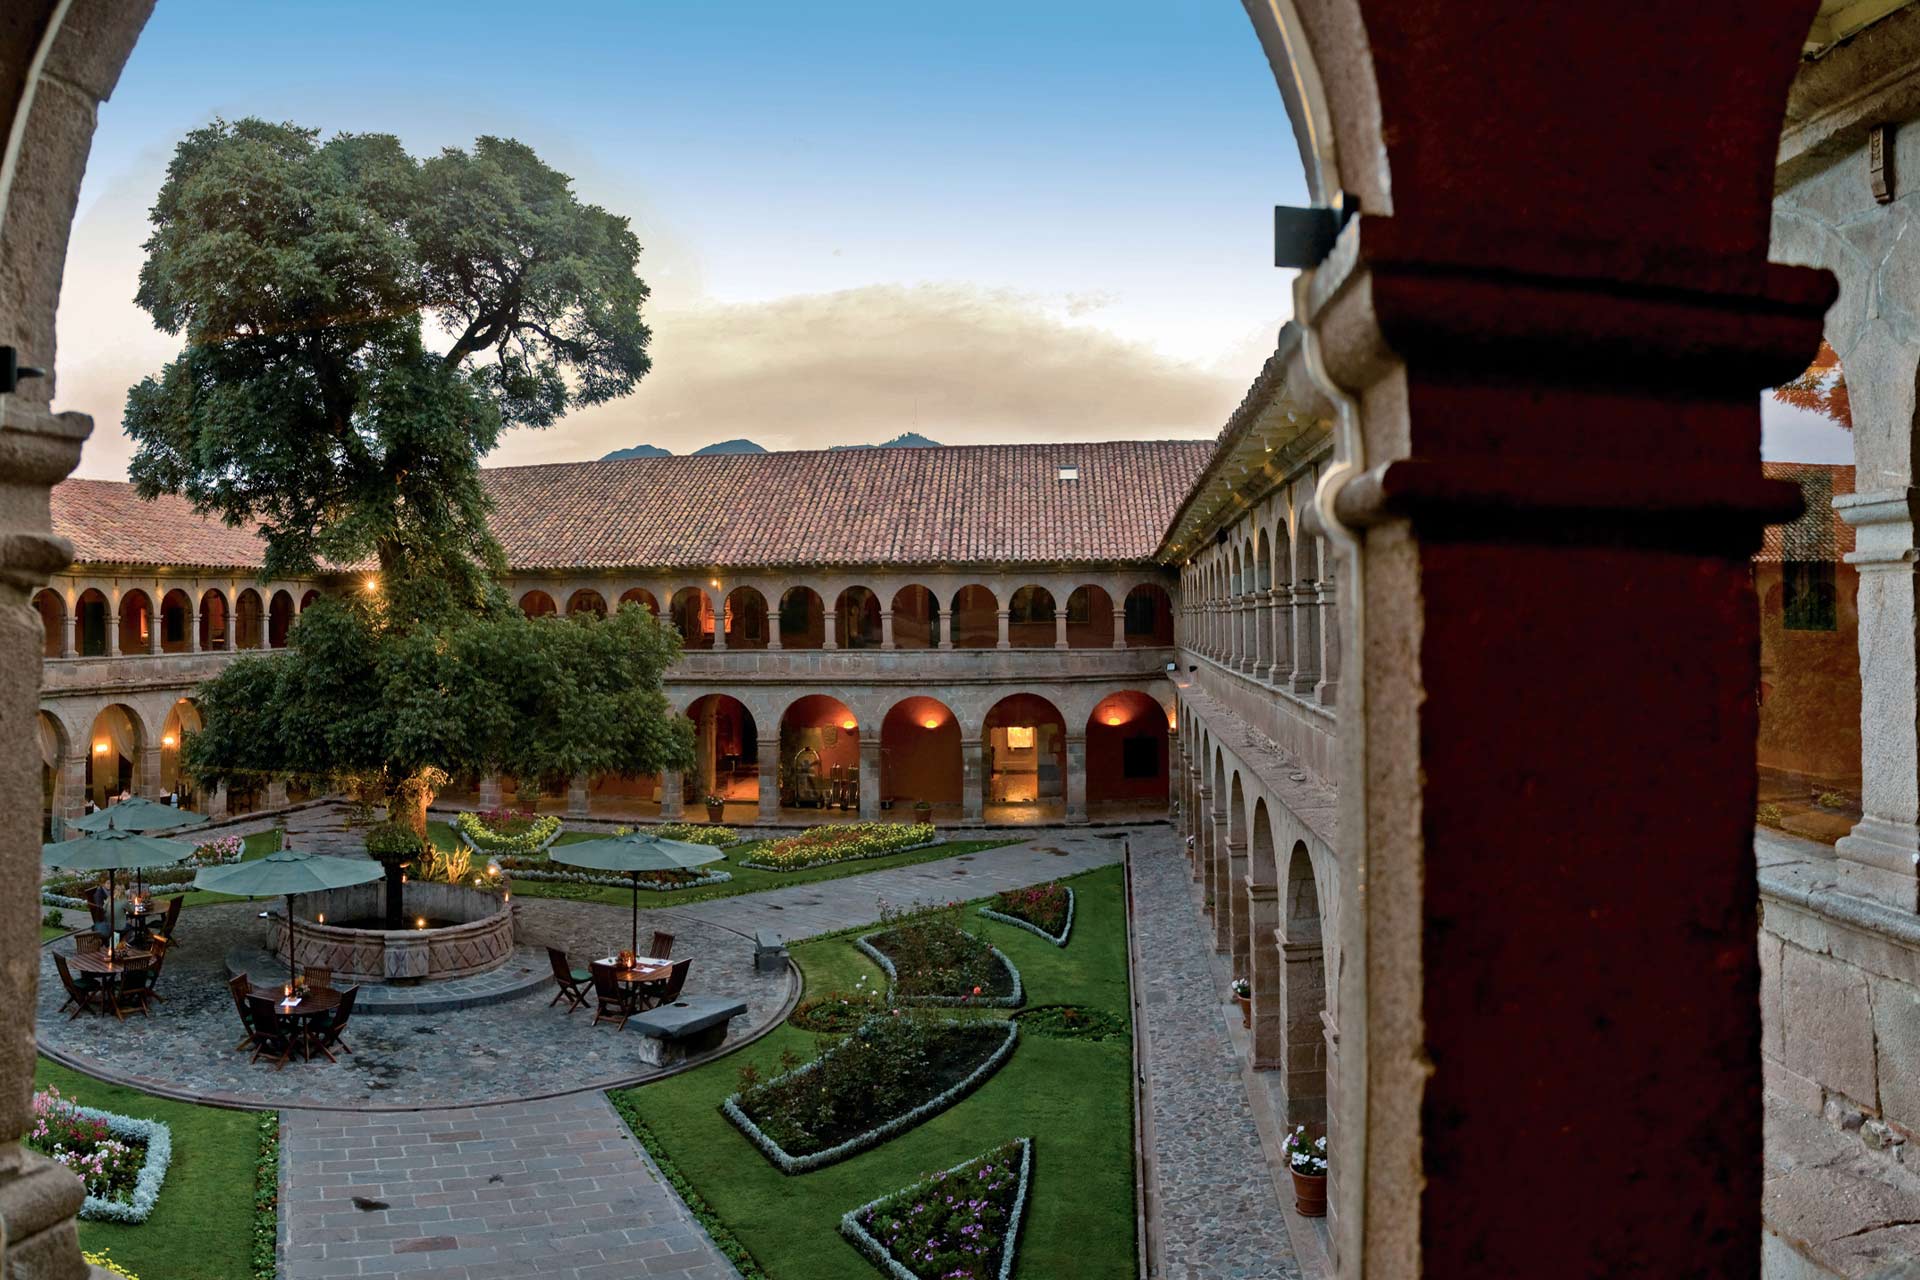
(394, 842)
(1769, 815)
(507, 830)
(54, 919)
(930, 958)
(447, 866)
(960, 1224)
(704, 833)
(266, 1198)
(1073, 1022)
(839, 842)
(1833, 800)
(838, 1012)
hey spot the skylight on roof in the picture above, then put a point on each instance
(1070, 473)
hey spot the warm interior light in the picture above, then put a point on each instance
(1115, 719)
(420, 922)
(932, 722)
(848, 725)
(99, 748)
(1020, 737)
(320, 918)
(166, 740)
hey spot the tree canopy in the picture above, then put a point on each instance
(310, 280)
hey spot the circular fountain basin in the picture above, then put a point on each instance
(460, 931)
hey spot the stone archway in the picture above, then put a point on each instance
(1303, 993)
(819, 754)
(726, 755)
(1128, 755)
(920, 759)
(182, 719)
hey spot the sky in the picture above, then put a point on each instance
(983, 222)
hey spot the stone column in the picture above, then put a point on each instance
(276, 793)
(1176, 764)
(489, 791)
(1281, 622)
(146, 769)
(1002, 616)
(232, 644)
(973, 780)
(773, 627)
(886, 628)
(1249, 633)
(1230, 631)
(67, 629)
(1202, 830)
(1303, 986)
(673, 795)
(70, 795)
(830, 623)
(1219, 888)
(113, 627)
(579, 799)
(266, 622)
(1076, 777)
(1306, 637)
(1262, 635)
(1326, 691)
(1120, 628)
(156, 617)
(1239, 926)
(194, 605)
(719, 623)
(1060, 628)
(769, 755)
(1263, 920)
(870, 779)
(946, 628)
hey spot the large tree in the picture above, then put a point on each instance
(359, 328)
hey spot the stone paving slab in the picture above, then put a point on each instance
(1219, 1219)
(556, 1188)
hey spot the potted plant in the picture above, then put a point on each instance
(1243, 992)
(923, 811)
(716, 807)
(1307, 1160)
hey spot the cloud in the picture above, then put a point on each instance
(960, 363)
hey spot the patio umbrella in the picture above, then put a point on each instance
(284, 874)
(110, 851)
(634, 854)
(139, 814)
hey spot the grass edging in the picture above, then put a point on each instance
(717, 1231)
(881, 1256)
(1058, 940)
(886, 1129)
(266, 1198)
(1014, 1000)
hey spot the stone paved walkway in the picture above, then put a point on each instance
(554, 1188)
(1219, 1220)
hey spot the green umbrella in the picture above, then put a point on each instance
(634, 854)
(284, 874)
(113, 850)
(138, 814)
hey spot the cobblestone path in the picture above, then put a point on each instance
(554, 1189)
(1218, 1216)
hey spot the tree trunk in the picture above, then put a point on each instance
(396, 904)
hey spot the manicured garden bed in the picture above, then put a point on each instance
(1045, 909)
(929, 959)
(122, 1159)
(841, 842)
(498, 831)
(960, 1224)
(1072, 1096)
(887, 1076)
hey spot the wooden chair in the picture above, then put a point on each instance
(273, 1034)
(319, 977)
(662, 947)
(83, 993)
(571, 981)
(613, 998)
(323, 1034)
(668, 989)
(157, 948)
(86, 942)
(239, 988)
(168, 922)
(133, 991)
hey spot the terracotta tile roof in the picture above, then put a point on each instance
(1820, 533)
(108, 523)
(962, 504)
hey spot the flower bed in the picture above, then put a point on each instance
(960, 1224)
(506, 831)
(653, 882)
(841, 842)
(882, 1080)
(122, 1159)
(692, 833)
(1045, 909)
(930, 959)
(1072, 1022)
(838, 1012)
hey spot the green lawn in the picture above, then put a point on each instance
(202, 1228)
(745, 879)
(1073, 1097)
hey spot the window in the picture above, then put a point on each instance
(1070, 473)
(1807, 599)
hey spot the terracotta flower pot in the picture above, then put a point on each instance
(1310, 1194)
(715, 812)
(1246, 1011)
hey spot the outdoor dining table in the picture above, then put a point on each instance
(303, 1011)
(645, 969)
(98, 964)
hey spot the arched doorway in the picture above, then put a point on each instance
(976, 622)
(920, 759)
(53, 749)
(803, 619)
(538, 604)
(182, 719)
(726, 756)
(92, 615)
(916, 618)
(1263, 968)
(1127, 756)
(746, 619)
(176, 622)
(136, 621)
(279, 619)
(53, 621)
(586, 601)
(1030, 623)
(248, 619)
(1090, 618)
(215, 621)
(1303, 986)
(642, 597)
(693, 618)
(114, 745)
(857, 618)
(819, 754)
(1025, 739)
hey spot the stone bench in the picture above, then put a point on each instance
(675, 1031)
(769, 953)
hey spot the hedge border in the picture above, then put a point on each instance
(717, 1230)
(879, 957)
(881, 1256)
(559, 829)
(266, 1198)
(886, 1129)
(153, 1170)
(858, 857)
(1060, 940)
(614, 882)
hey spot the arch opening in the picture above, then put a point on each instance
(1024, 737)
(803, 619)
(920, 760)
(819, 754)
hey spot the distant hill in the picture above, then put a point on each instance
(729, 446)
(905, 440)
(638, 451)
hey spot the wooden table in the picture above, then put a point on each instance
(316, 1002)
(96, 962)
(640, 974)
